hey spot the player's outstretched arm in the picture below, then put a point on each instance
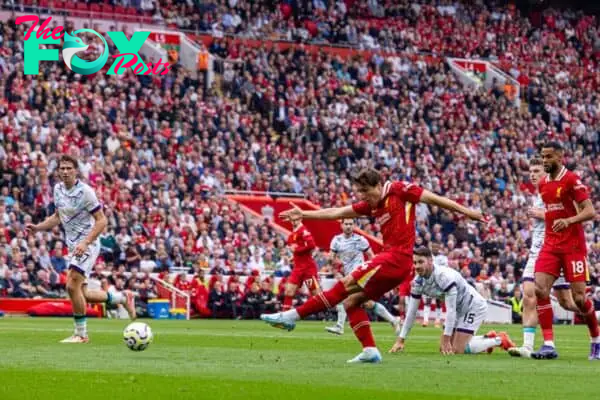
(450, 300)
(47, 224)
(411, 314)
(326, 213)
(444, 202)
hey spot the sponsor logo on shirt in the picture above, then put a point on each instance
(555, 207)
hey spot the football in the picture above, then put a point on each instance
(137, 336)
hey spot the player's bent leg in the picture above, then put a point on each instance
(126, 298)
(586, 309)
(381, 311)
(361, 326)
(369, 305)
(321, 302)
(565, 299)
(436, 306)
(338, 328)
(466, 343)
(529, 322)
(543, 284)
(75, 282)
(289, 293)
(426, 310)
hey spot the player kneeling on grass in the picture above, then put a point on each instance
(81, 216)
(392, 204)
(465, 309)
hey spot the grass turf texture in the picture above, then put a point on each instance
(208, 359)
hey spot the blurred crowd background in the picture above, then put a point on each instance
(163, 151)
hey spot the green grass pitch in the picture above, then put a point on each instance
(207, 359)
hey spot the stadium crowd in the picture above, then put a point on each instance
(161, 151)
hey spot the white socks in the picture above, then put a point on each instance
(115, 298)
(479, 344)
(528, 337)
(382, 312)
(341, 315)
(291, 314)
(426, 310)
(80, 325)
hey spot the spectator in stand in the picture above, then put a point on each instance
(516, 303)
(8, 286)
(252, 305)
(217, 301)
(161, 152)
(502, 293)
(267, 298)
(25, 288)
(233, 300)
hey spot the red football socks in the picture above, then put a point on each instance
(359, 322)
(287, 302)
(545, 317)
(323, 301)
(590, 319)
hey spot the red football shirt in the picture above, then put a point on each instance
(305, 244)
(560, 197)
(395, 214)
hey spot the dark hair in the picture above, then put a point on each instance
(65, 158)
(423, 252)
(553, 145)
(367, 177)
(535, 161)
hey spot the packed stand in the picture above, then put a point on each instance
(161, 151)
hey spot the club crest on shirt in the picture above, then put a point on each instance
(558, 190)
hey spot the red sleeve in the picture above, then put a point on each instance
(407, 191)
(362, 208)
(306, 243)
(578, 190)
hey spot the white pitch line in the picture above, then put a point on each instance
(325, 336)
(245, 334)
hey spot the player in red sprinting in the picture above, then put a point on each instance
(564, 247)
(305, 268)
(392, 204)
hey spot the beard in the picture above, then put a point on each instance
(550, 169)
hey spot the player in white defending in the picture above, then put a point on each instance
(351, 248)
(465, 309)
(429, 304)
(562, 289)
(82, 218)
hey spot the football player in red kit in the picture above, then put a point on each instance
(392, 204)
(305, 268)
(564, 248)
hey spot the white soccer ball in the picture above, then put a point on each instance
(137, 336)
